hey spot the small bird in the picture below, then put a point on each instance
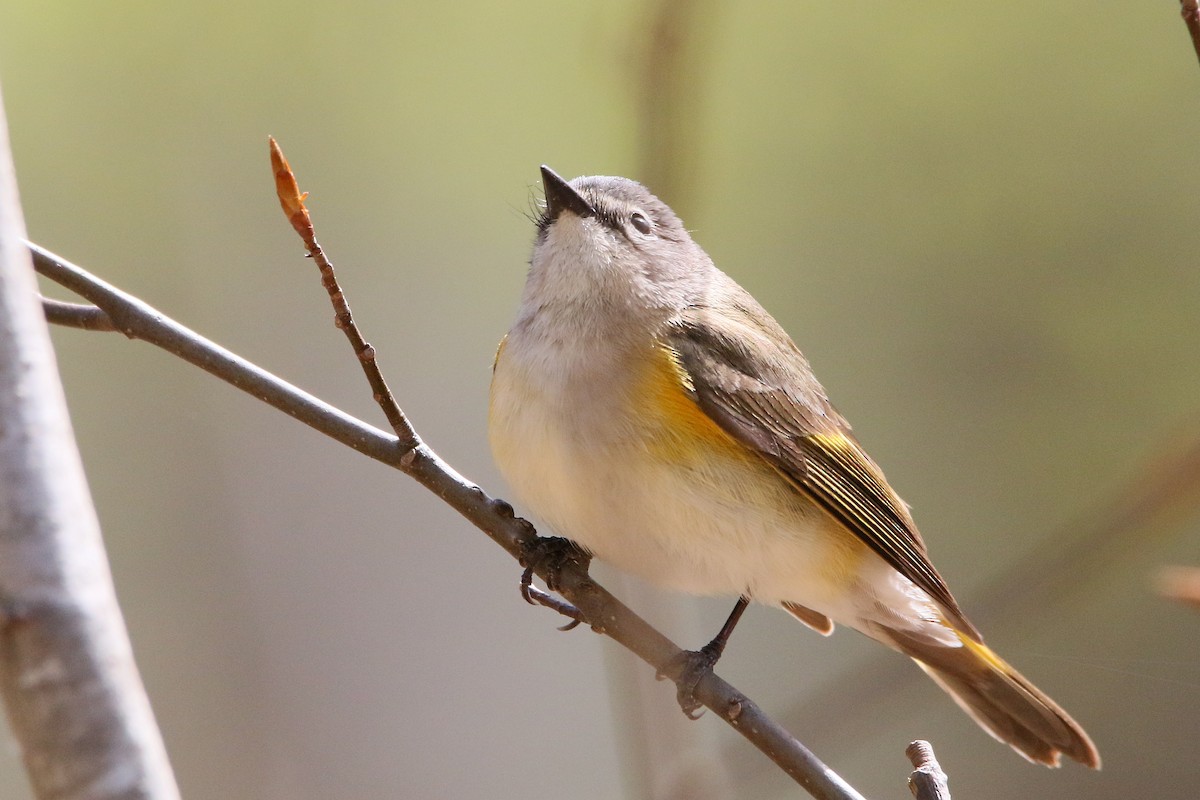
(647, 408)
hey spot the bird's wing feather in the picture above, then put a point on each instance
(749, 377)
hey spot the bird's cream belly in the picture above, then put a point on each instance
(660, 496)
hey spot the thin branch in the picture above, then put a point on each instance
(292, 201)
(1190, 11)
(927, 781)
(76, 315)
(606, 614)
(139, 320)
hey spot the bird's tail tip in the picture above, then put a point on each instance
(1001, 700)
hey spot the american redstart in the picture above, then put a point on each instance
(646, 407)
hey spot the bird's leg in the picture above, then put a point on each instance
(695, 664)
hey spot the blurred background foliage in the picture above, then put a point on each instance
(979, 221)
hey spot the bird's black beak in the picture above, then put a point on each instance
(560, 196)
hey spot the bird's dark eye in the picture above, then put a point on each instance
(641, 222)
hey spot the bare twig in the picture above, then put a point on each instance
(71, 689)
(76, 315)
(927, 781)
(605, 613)
(292, 201)
(139, 320)
(1190, 11)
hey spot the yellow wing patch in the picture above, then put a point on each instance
(678, 428)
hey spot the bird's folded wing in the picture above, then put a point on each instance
(747, 375)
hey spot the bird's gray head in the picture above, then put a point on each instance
(608, 242)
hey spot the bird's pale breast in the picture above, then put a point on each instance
(629, 466)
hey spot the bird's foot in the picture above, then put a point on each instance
(692, 666)
(550, 555)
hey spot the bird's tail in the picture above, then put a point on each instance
(996, 696)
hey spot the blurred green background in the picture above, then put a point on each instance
(978, 220)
